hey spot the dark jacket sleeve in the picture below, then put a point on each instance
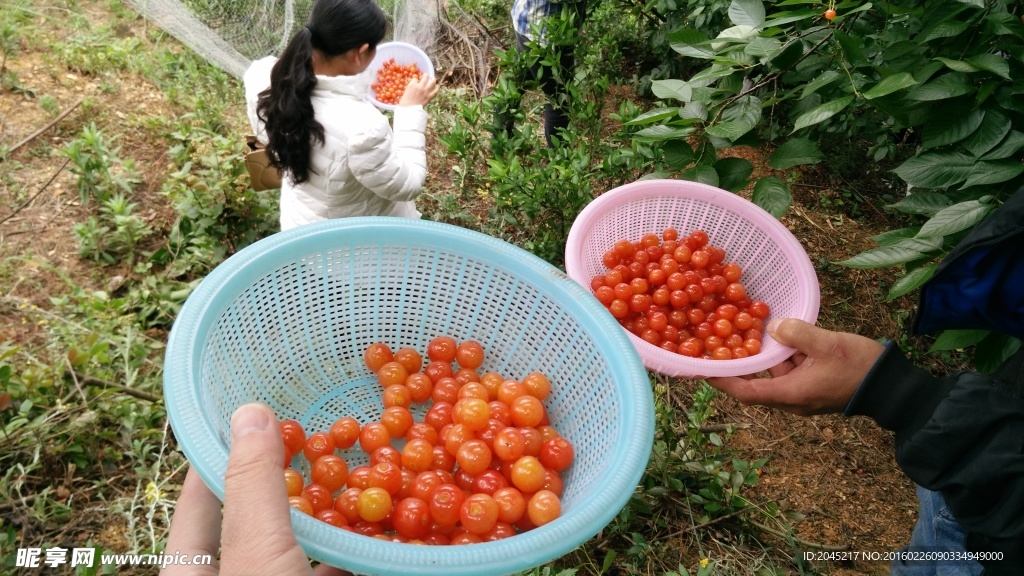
(963, 436)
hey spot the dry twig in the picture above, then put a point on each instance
(36, 195)
(140, 394)
(52, 123)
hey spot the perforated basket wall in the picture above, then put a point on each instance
(404, 54)
(775, 266)
(285, 322)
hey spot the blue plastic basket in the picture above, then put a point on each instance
(285, 322)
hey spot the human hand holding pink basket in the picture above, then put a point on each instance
(775, 266)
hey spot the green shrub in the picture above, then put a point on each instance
(940, 81)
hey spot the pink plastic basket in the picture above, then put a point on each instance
(776, 268)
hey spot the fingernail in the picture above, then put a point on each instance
(774, 325)
(250, 418)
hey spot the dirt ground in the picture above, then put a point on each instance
(836, 475)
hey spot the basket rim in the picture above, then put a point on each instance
(669, 363)
(377, 61)
(208, 453)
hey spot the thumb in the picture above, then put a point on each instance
(256, 511)
(806, 338)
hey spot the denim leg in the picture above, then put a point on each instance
(936, 531)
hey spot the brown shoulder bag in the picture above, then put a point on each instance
(262, 174)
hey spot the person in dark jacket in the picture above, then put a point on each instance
(959, 438)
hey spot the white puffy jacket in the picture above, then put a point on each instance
(363, 168)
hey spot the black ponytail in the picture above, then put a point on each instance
(286, 108)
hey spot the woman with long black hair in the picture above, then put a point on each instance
(338, 154)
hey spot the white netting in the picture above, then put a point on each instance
(232, 33)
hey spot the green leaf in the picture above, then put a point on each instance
(822, 113)
(890, 84)
(788, 56)
(995, 349)
(658, 175)
(733, 173)
(955, 218)
(890, 237)
(689, 42)
(731, 130)
(662, 132)
(847, 13)
(944, 29)
(824, 79)
(957, 340)
(853, 48)
(738, 119)
(795, 152)
(993, 129)
(946, 86)
(678, 154)
(959, 65)
(987, 88)
(936, 169)
(900, 253)
(978, 3)
(762, 47)
(790, 17)
(702, 173)
(708, 76)
(655, 115)
(922, 202)
(773, 195)
(609, 559)
(911, 281)
(951, 126)
(992, 63)
(739, 34)
(694, 111)
(1004, 24)
(1011, 145)
(747, 12)
(674, 89)
(985, 172)
(926, 70)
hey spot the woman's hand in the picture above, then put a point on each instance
(820, 377)
(255, 536)
(419, 92)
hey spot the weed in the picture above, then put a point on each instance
(10, 40)
(101, 173)
(50, 105)
(114, 235)
(218, 213)
(10, 81)
(98, 53)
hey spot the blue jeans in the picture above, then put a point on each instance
(936, 531)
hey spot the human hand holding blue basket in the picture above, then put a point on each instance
(285, 321)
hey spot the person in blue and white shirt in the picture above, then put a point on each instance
(528, 20)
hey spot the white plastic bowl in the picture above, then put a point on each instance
(404, 54)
